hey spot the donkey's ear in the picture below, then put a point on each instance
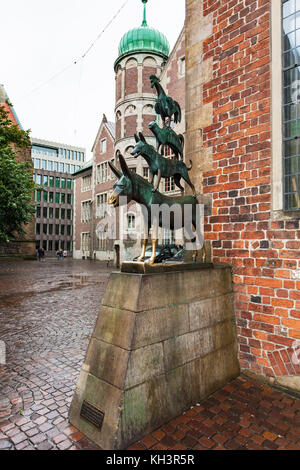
(136, 138)
(124, 166)
(142, 137)
(115, 170)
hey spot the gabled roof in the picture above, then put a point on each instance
(110, 126)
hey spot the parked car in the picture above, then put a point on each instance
(177, 258)
(163, 252)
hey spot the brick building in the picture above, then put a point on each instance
(242, 97)
(54, 165)
(92, 184)
(23, 246)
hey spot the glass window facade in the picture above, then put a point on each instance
(291, 103)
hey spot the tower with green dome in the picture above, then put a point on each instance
(142, 51)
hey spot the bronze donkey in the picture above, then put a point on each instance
(136, 188)
(161, 166)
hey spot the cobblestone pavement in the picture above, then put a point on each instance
(47, 314)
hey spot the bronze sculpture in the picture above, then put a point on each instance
(161, 166)
(136, 188)
(165, 105)
(166, 136)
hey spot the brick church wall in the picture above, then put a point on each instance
(234, 144)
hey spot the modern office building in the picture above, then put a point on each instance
(54, 164)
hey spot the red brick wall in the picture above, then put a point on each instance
(147, 71)
(118, 86)
(264, 253)
(118, 128)
(131, 81)
(130, 125)
(147, 118)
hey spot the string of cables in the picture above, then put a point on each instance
(75, 62)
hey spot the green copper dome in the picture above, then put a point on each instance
(143, 39)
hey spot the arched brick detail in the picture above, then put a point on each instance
(130, 125)
(131, 81)
(147, 118)
(147, 71)
(119, 84)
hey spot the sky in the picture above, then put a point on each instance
(57, 74)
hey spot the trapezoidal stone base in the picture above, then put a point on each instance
(161, 343)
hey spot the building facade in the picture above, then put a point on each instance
(242, 101)
(22, 246)
(54, 165)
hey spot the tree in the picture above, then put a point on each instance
(16, 183)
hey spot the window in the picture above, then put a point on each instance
(45, 180)
(61, 167)
(56, 229)
(101, 207)
(62, 198)
(69, 214)
(291, 103)
(62, 229)
(69, 230)
(57, 182)
(85, 241)
(45, 245)
(103, 146)
(69, 198)
(45, 196)
(44, 164)
(57, 198)
(182, 66)
(86, 182)
(69, 183)
(85, 211)
(72, 168)
(38, 179)
(50, 165)
(68, 246)
(146, 172)
(67, 168)
(50, 245)
(37, 163)
(63, 183)
(51, 181)
(38, 195)
(55, 166)
(102, 174)
(38, 229)
(45, 212)
(57, 212)
(169, 184)
(50, 229)
(45, 229)
(38, 211)
(62, 213)
(133, 169)
(50, 196)
(130, 222)
(51, 212)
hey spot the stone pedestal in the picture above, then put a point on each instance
(161, 343)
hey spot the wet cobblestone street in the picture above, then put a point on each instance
(47, 314)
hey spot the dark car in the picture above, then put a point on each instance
(163, 252)
(177, 258)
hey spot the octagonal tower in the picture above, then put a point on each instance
(142, 51)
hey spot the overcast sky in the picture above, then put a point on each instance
(41, 38)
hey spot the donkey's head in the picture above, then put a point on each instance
(141, 145)
(122, 187)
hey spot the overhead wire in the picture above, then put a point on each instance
(80, 58)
